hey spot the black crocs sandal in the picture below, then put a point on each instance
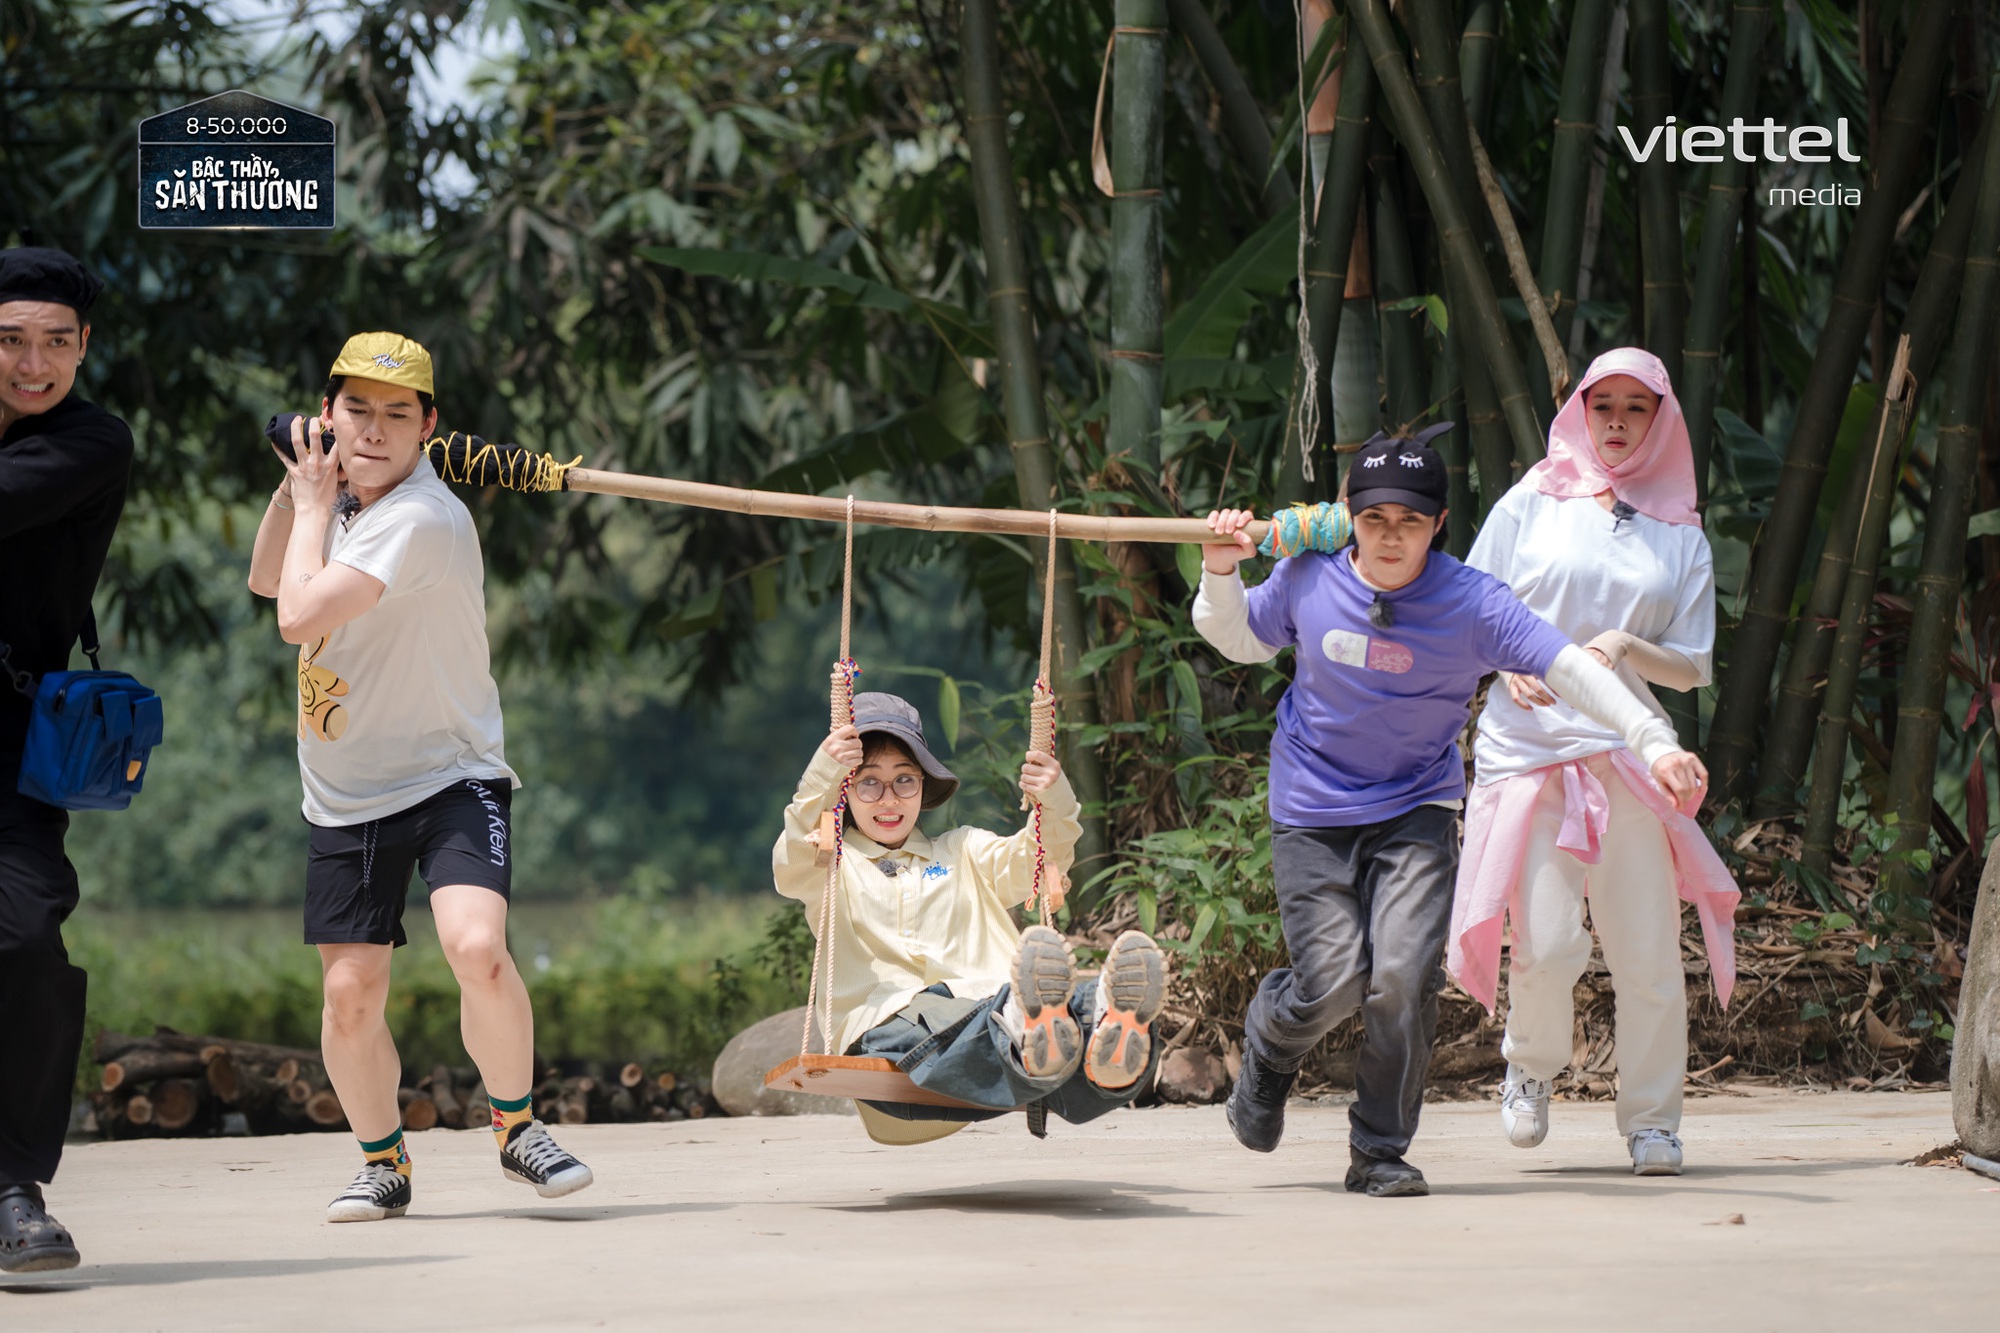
(30, 1240)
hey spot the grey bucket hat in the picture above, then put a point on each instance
(895, 716)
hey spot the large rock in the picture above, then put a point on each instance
(738, 1080)
(1975, 1046)
(1193, 1077)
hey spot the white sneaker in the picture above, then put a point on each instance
(1524, 1108)
(1655, 1152)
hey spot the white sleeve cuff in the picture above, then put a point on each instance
(1585, 685)
(1222, 616)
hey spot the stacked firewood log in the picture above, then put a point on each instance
(173, 1084)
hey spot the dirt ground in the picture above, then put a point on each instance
(1795, 1213)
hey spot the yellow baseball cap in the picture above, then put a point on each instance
(389, 357)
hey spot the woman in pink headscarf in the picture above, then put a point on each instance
(1602, 540)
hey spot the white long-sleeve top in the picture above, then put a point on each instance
(1587, 572)
(936, 909)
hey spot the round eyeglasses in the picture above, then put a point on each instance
(905, 786)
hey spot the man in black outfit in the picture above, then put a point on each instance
(63, 469)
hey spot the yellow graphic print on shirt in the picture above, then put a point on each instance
(319, 715)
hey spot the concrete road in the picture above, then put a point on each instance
(1147, 1218)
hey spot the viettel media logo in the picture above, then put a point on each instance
(1772, 142)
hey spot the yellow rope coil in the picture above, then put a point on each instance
(471, 461)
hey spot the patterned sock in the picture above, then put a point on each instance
(390, 1149)
(508, 1114)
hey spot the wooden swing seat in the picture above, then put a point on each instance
(865, 1078)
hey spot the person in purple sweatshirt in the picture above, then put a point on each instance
(1391, 638)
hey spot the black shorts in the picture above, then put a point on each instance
(358, 875)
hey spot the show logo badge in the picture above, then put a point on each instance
(233, 161)
(1767, 142)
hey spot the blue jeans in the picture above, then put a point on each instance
(958, 1048)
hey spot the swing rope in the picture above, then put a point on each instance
(1042, 728)
(819, 999)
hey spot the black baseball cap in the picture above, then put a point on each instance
(1399, 469)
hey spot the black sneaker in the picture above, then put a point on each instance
(379, 1191)
(1383, 1177)
(30, 1240)
(533, 1158)
(1256, 1106)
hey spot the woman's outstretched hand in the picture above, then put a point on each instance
(1223, 557)
(1527, 691)
(1039, 773)
(1682, 776)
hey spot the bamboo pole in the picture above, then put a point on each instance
(1478, 53)
(1789, 740)
(1660, 235)
(1843, 673)
(1745, 689)
(1480, 311)
(1570, 155)
(1138, 296)
(1328, 258)
(1555, 362)
(1728, 180)
(1396, 281)
(1242, 119)
(1934, 596)
(1025, 411)
(1434, 39)
(878, 513)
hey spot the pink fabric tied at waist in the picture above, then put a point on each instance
(1497, 819)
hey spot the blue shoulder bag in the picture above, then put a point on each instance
(90, 733)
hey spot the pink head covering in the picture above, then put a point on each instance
(1658, 478)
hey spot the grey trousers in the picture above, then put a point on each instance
(1365, 911)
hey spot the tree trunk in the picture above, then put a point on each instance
(1728, 181)
(1478, 308)
(1242, 119)
(1138, 83)
(1025, 411)
(1570, 157)
(1871, 527)
(1934, 603)
(1926, 321)
(1660, 230)
(1745, 688)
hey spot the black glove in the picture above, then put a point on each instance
(279, 433)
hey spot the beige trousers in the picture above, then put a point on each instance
(1636, 911)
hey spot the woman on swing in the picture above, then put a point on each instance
(927, 968)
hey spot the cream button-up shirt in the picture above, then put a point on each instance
(936, 909)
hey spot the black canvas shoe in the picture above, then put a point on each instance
(379, 1191)
(1383, 1177)
(533, 1158)
(30, 1240)
(1256, 1106)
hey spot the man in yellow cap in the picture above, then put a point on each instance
(376, 569)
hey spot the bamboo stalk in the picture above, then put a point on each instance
(879, 513)
(1242, 119)
(1570, 155)
(1555, 361)
(1857, 597)
(1934, 597)
(1480, 311)
(1728, 180)
(1478, 51)
(1926, 321)
(1328, 257)
(1025, 411)
(1138, 298)
(1395, 281)
(1659, 198)
(1434, 38)
(1744, 693)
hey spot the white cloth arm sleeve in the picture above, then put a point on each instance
(1222, 616)
(1586, 685)
(1654, 663)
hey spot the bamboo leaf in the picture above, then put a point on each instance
(1203, 923)
(946, 425)
(1986, 524)
(948, 710)
(750, 266)
(1208, 324)
(1218, 377)
(1188, 692)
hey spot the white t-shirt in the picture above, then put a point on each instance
(1585, 572)
(399, 703)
